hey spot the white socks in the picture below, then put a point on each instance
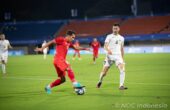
(3, 68)
(49, 86)
(122, 78)
(101, 77)
(45, 56)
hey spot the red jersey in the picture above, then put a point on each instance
(95, 45)
(76, 44)
(62, 47)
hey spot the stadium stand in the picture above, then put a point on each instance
(91, 28)
(144, 25)
(130, 26)
(140, 28)
(166, 29)
(30, 32)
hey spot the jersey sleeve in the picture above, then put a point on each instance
(7, 43)
(71, 45)
(99, 44)
(122, 43)
(107, 39)
(91, 44)
(59, 40)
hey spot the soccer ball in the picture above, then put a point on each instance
(80, 91)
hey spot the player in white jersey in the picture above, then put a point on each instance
(4, 45)
(45, 50)
(114, 44)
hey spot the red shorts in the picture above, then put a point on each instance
(76, 51)
(60, 66)
(95, 53)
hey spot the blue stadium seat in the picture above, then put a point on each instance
(30, 32)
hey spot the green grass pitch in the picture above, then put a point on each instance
(147, 77)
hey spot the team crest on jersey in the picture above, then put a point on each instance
(117, 41)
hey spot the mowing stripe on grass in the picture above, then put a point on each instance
(33, 78)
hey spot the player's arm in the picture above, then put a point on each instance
(106, 47)
(79, 48)
(90, 45)
(45, 46)
(122, 51)
(99, 44)
(8, 45)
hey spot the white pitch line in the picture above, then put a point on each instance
(50, 79)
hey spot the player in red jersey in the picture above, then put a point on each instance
(60, 63)
(95, 46)
(76, 51)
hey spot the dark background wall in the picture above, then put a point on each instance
(22, 10)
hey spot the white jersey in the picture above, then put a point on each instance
(4, 50)
(4, 46)
(45, 49)
(115, 42)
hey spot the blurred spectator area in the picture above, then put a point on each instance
(90, 27)
(146, 25)
(136, 30)
(30, 32)
(129, 26)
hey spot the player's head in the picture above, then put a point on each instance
(116, 28)
(2, 36)
(70, 35)
(95, 40)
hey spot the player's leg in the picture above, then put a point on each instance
(106, 66)
(121, 66)
(1, 62)
(72, 76)
(3, 67)
(45, 54)
(94, 59)
(102, 75)
(95, 55)
(61, 78)
(74, 55)
(57, 82)
(4, 59)
(78, 53)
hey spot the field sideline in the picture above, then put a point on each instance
(147, 77)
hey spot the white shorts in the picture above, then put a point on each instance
(110, 59)
(4, 57)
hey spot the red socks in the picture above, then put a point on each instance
(55, 83)
(58, 81)
(71, 75)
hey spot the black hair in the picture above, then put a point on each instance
(116, 24)
(70, 32)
